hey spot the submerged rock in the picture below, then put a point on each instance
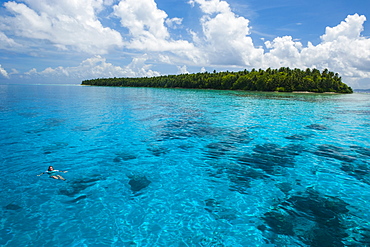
(361, 150)
(138, 183)
(315, 219)
(317, 127)
(360, 171)
(271, 157)
(77, 186)
(280, 222)
(124, 157)
(241, 177)
(216, 150)
(76, 200)
(285, 187)
(297, 137)
(334, 152)
(12, 206)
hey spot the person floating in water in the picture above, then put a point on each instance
(52, 173)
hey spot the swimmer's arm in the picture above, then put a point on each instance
(63, 171)
(41, 173)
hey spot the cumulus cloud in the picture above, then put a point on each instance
(139, 68)
(172, 23)
(142, 18)
(65, 24)
(284, 52)
(212, 6)
(350, 28)
(222, 39)
(226, 40)
(226, 37)
(182, 70)
(342, 49)
(146, 24)
(96, 67)
(3, 72)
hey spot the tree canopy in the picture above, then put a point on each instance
(282, 80)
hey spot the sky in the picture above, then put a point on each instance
(67, 41)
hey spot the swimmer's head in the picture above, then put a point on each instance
(50, 168)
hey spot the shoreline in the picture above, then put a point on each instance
(314, 92)
(237, 90)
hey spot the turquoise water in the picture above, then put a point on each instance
(173, 167)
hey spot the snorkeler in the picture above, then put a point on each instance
(52, 173)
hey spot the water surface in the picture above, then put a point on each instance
(174, 167)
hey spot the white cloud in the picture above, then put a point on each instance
(138, 68)
(342, 50)
(97, 67)
(284, 52)
(142, 18)
(66, 24)
(226, 41)
(32, 72)
(223, 39)
(226, 36)
(8, 43)
(212, 6)
(146, 24)
(173, 22)
(350, 28)
(3, 72)
(148, 31)
(182, 70)
(14, 72)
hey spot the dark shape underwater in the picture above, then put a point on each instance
(124, 157)
(361, 150)
(331, 151)
(297, 137)
(138, 182)
(271, 157)
(76, 200)
(12, 206)
(313, 218)
(77, 186)
(317, 127)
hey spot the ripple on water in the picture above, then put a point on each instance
(314, 219)
(166, 167)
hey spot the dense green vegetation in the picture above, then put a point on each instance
(282, 80)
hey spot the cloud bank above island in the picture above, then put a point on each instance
(140, 39)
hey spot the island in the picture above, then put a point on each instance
(283, 79)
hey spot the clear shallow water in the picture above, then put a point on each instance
(173, 167)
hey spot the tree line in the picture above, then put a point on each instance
(281, 80)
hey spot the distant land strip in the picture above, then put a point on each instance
(280, 80)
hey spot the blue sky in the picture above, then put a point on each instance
(67, 41)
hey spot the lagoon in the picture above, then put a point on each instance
(180, 167)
